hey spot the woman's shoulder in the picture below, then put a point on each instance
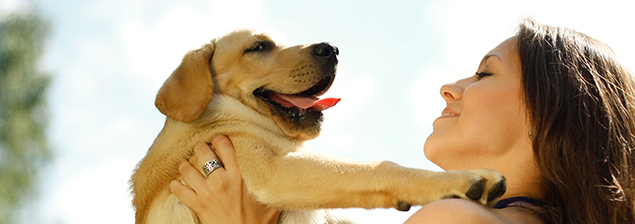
(464, 211)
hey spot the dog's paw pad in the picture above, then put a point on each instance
(403, 206)
(476, 190)
(497, 190)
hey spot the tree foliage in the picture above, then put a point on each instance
(24, 148)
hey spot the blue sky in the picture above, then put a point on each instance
(109, 58)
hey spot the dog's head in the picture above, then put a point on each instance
(260, 69)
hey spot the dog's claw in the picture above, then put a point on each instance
(403, 206)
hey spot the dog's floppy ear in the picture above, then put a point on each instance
(186, 93)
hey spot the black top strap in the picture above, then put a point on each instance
(525, 202)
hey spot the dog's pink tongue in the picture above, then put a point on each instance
(304, 102)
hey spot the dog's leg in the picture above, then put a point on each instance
(303, 180)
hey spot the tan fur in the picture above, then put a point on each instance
(268, 145)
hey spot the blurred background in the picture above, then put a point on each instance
(78, 80)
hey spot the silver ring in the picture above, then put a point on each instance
(211, 165)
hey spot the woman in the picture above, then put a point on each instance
(550, 108)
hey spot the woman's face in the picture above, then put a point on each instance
(485, 121)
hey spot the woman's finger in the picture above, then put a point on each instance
(225, 151)
(192, 176)
(184, 193)
(205, 154)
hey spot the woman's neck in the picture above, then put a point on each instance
(523, 179)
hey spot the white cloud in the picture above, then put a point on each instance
(471, 28)
(9, 6)
(230, 14)
(155, 51)
(609, 21)
(425, 97)
(94, 59)
(98, 195)
(356, 90)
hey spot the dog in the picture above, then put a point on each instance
(262, 92)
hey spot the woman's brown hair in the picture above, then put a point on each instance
(581, 104)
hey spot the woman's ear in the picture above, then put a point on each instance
(187, 92)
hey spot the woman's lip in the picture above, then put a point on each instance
(447, 112)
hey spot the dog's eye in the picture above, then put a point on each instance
(258, 47)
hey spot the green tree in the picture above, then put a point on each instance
(23, 111)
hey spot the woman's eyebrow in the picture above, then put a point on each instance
(489, 56)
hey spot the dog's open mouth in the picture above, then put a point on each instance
(296, 106)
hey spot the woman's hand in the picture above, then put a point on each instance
(221, 197)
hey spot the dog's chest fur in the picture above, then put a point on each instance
(224, 115)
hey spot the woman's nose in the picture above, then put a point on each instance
(451, 92)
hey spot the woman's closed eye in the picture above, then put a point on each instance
(483, 74)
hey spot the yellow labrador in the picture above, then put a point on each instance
(262, 92)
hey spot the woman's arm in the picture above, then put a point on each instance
(450, 211)
(222, 197)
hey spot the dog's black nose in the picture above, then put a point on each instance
(325, 50)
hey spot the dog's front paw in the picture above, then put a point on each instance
(483, 186)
